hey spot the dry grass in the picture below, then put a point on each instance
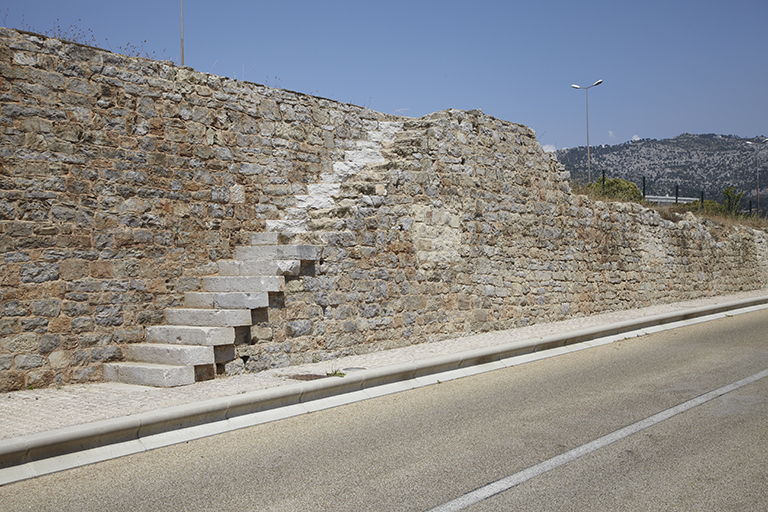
(676, 213)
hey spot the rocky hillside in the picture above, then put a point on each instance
(694, 162)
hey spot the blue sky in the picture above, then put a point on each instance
(668, 67)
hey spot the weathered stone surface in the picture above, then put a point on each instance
(149, 374)
(124, 189)
(180, 355)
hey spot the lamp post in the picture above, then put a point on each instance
(757, 171)
(182, 32)
(587, 88)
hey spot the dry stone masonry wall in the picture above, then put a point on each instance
(125, 183)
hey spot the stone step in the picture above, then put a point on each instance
(209, 317)
(191, 335)
(264, 238)
(243, 284)
(277, 252)
(226, 300)
(177, 355)
(259, 267)
(148, 374)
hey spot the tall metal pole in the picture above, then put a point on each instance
(757, 170)
(589, 160)
(182, 32)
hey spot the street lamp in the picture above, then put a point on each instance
(182, 32)
(589, 163)
(757, 171)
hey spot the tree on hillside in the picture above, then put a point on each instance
(732, 201)
(616, 189)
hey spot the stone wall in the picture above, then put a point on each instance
(123, 181)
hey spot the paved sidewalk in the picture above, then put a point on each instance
(35, 411)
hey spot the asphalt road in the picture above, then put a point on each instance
(421, 449)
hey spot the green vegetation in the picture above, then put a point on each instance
(615, 189)
(729, 208)
(727, 212)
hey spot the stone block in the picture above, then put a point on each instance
(243, 283)
(146, 374)
(231, 300)
(208, 317)
(181, 355)
(39, 272)
(264, 238)
(299, 328)
(314, 202)
(224, 353)
(106, 354)
(60, 359)
(11, 381)
(278, 252)
(49, 343)
(191, 335)
(101, 270)
(261, 333)
(26, 342)
(48, 307)
(287, 226)
(27, 361)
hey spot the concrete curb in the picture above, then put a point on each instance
(46, 452)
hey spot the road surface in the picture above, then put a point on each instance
(430, 448)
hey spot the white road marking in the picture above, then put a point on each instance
(508, 482)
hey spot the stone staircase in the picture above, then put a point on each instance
(199, 339)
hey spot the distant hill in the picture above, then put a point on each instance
(694, 162)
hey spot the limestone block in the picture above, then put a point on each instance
(208, 317)
(243, 283)
(343, 171)
(264, 238)
(278, 252)
(314, 202)
(364, 156)
(224, 300)
(27, 361)
(287, 226)
(324, 189)
(60, 359)
(146, 374)
(26, 342)
(248, 268)
(237, 194)
(181, 355)
(191, 335)
(288, 267)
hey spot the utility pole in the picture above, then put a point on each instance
(182, 32)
